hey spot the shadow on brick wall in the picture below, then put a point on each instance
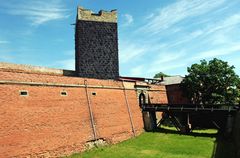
(69, 73)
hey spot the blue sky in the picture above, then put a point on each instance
(154, 36)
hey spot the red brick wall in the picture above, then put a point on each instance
(158, 95)
(175, 95)
(46, 123)
(43, 121)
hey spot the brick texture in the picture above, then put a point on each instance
(46, 124)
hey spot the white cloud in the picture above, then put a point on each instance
(177, 12)
(166, 61)
(220, 39)
(137, 71)
(4, 42)
(38, 12)
(218, 32)
(167, 58)
(130, 51)
(166, 67)
(196, 34)
(182, 33)
(227, 23)
(150, 16)
(215, 33)
(230, 49)
(128, 19)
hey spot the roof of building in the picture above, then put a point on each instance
(140, 79)
(172, 80)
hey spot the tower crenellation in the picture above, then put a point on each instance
(101, 16)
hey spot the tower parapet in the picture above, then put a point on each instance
(101, 16)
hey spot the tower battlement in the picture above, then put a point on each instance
(101, 16)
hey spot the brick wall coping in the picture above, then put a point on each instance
(35, 69)
(20, 68)
(68, 85)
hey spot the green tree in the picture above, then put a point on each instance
(158, 75)
(213, 82)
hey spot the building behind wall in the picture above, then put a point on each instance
(96, 44)
(174, 92)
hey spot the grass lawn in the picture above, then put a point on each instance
(158, 145)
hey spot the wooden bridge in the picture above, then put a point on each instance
(186, 117)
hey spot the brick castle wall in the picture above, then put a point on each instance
(44, 123)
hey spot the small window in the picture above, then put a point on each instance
(63, 93)
(23, 93)
(94, 93)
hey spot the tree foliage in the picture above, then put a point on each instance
(213, 82)
(158, 75)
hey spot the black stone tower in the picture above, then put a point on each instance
(96, 44)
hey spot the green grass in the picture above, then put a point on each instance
(157, 145)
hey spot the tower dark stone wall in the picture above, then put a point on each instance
(96, 44)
